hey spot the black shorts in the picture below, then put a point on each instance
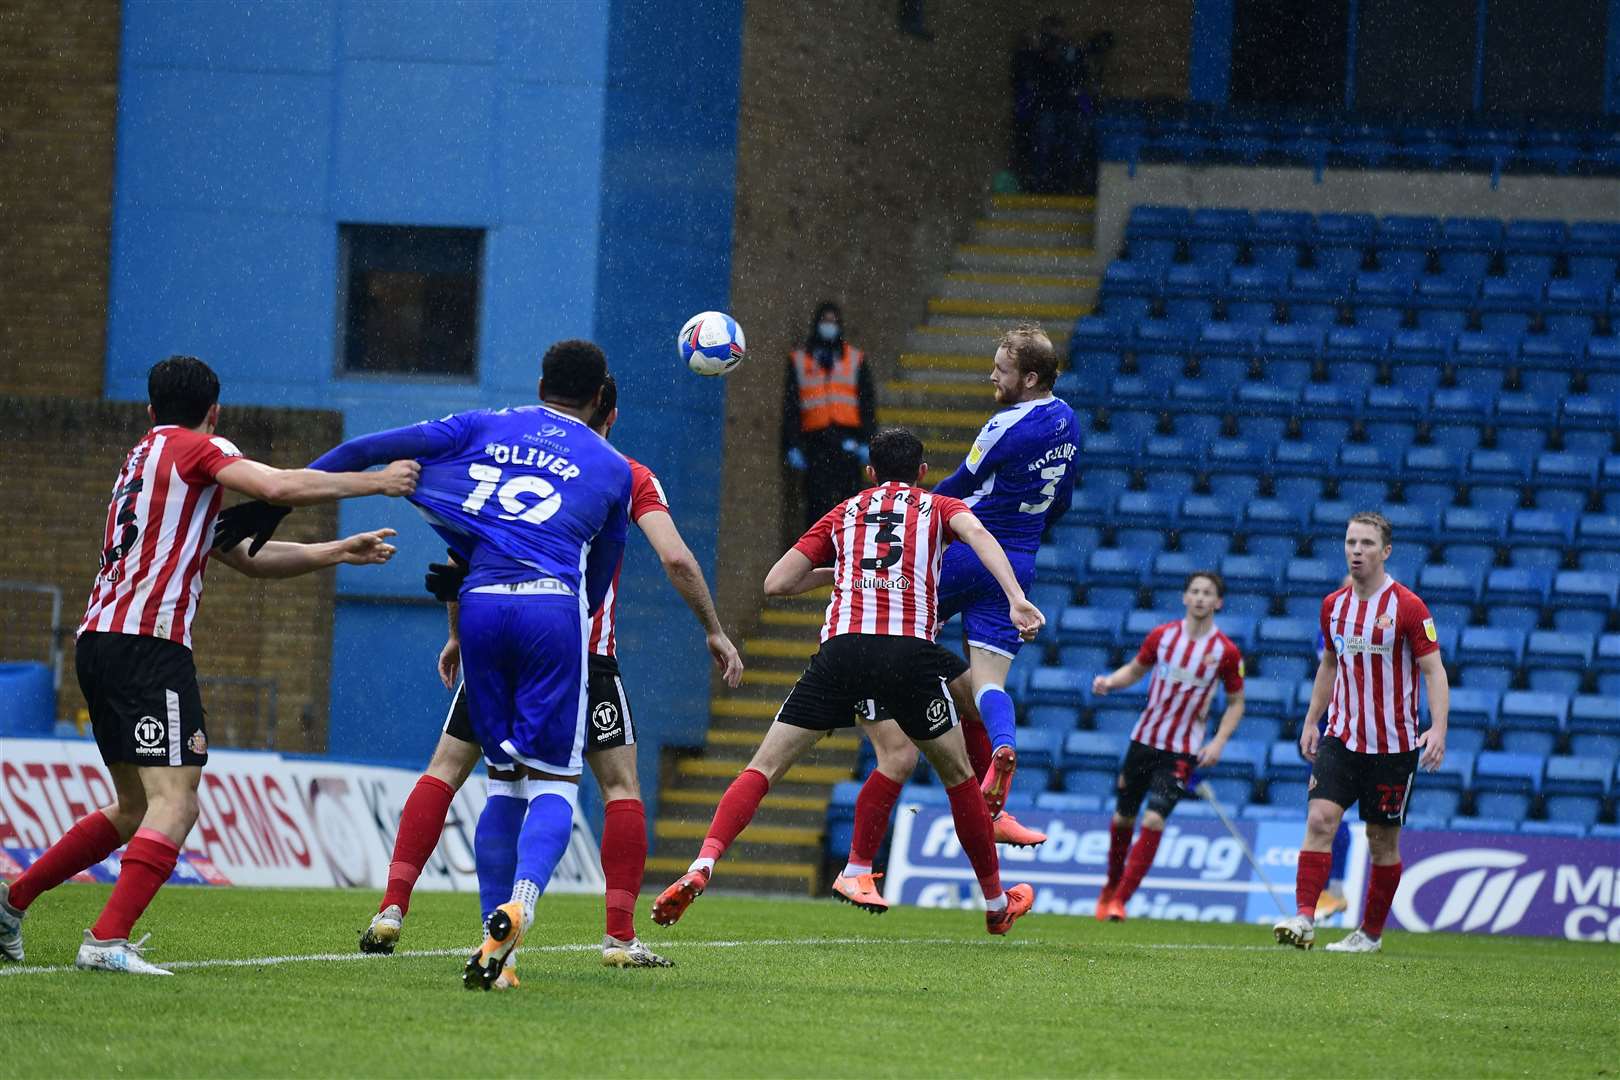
(905, 677)
(145, 708)
(1160, 776)
(608, 722)
(1380, 783)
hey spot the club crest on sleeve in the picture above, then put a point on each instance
(1429, 630)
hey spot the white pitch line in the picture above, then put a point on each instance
(772, 943)
(310, 958)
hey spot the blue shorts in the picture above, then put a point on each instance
(523, 660)
(966, 588)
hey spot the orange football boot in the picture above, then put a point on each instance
(673, 901)
(862, 891)
(1020, 898)
(1009, 830)
(998, 779)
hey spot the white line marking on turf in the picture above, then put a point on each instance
(309, 958)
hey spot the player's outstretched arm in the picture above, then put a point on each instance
(793, 574)
(1210, 753)
(305, 487)
(1438, 686)
(1128, 674)
(683, 571)
(280, 559)
(1025, 615)
(1321, 693)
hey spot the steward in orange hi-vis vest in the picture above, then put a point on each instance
(828, 413)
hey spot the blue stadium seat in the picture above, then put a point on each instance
(1578, 589)
(1120, 567)
(1089, 749)
(1249, 573)
(1059, 718)
(1314, 578)
(1548, 527)
(1578, 776)
(1098, 783)
(1555, 649)
(1090, 626)
(1268, 697)
(1474, 708)
(1065, 802)
(1482, 645)
(1509, 585)
(1144, 508)
(1116, 722)
(1465, 524)
(1059, 686)
(1283, 764)
(1461, 740)
(1440, 584)
(1578, 471)
(1288, 635)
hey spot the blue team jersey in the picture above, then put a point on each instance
(1020, 472)
(523, 492)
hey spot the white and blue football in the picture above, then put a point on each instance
(711, 343)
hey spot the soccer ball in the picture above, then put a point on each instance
(711, 343)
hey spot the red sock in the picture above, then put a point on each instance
(624, 861)
(735, 811)
(1136, 867)
(147, 864)
(977, 835)
(420, 824)
(978, 747)
(1380, 894)
(92, 838)
(1119, 843)
(1310, 879)
(872, 809)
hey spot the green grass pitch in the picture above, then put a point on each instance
(791, 988)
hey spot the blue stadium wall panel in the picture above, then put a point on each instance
(601, 162)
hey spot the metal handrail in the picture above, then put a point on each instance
(57, 631)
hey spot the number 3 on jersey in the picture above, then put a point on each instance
(488, 478)
(1053, 475)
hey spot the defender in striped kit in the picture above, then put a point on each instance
(1187, 657)
(610, 737)
(134, 659)
(1379, 640)
(877, 651)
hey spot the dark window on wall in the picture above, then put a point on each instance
(1542, 58)
(1285, 52)
(408, 297)
(1416, 56)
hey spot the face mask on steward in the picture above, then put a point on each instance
(828, 330)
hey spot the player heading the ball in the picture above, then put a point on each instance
(880, 551)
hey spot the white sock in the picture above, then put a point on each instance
(999, 903)
(526, 892)
(855, 869)
(706, 865)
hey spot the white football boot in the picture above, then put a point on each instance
(383, 933)
(120, 954)
(1296, 930)
(11, 947)
(1356, 941)
(632, 953)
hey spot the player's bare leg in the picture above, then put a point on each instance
(94, 837)
(624, 856)
(1384, 845)
(171, 811)
(420, 824)
(782, 746)
(896, 761)
(948, 755)
(982, 687)
(1322, 817)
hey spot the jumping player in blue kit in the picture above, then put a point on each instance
(1017, 479)
(538, 504)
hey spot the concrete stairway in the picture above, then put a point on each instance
(1028, 259)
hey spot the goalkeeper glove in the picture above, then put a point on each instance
(255, 518)
(444, 580)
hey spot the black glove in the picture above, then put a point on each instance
(254, 518)
(444, 580)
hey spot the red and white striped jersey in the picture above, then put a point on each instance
(1184, 672)
(160, 527)
(884, 546)
(646, 495)
(1377, 643)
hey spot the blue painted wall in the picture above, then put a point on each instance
(601, 161)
